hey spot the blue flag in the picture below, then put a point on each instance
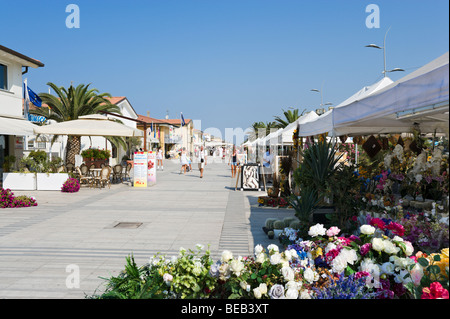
(182, 120)
(32, 97)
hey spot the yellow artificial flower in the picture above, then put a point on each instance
(442, 264)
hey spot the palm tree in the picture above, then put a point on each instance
(260, 129)
(71, 103)
(289, 117)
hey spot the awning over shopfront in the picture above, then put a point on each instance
(15, 126)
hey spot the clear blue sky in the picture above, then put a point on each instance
(228, 63)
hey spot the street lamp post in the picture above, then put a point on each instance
(384, 54)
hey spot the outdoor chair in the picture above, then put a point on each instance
(117, 173)
(84, 179)
(69, 168)
(103, 178)
(84, 170)
(127, 172)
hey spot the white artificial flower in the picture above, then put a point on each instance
(317, 230)
(257, 293)
(263, 288)
(237, 266)
(367, 229)
(287, 273)
(310, 275)
(260, 258)
(387, 268)
(402, 277)
(167, 277)
(276, 258)
(293, 285)
(338, 264)
(304, 294)
(378, 244)
(226, 255)
(390, 248)
(418, 178)
(330, 246)
(293, 253)
(291, 294)
(273, 248)
(258, 249)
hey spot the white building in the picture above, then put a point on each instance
(58, 147)
(13, 125)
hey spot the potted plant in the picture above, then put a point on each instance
(278, 227)
(95, 156)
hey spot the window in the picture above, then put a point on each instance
(3, 77)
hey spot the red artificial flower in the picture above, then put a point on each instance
(378, 223)
(435, 291)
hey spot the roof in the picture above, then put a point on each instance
(34, 62)
(153, 120)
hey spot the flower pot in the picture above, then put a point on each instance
(50, 182)
(19, 181)
(97, 162)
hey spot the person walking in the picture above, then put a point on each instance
(184, 161)
(201, 160)
(159, 158)
(233, 162)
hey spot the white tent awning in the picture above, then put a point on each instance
(89, 125)
(420, 97)
(16, 126)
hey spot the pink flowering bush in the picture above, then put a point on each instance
(72, 185)
(8, 200)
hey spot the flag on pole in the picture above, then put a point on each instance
(26, 103)
(32, 97)
(183, 123)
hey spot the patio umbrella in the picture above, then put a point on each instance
(89, 125)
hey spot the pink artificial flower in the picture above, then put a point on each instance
(333, 231)
(396, 228)
(365, 248)
(435, 291)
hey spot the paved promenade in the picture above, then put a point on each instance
(78, 231)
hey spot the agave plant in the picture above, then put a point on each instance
(305, 204)
(320, 162)
(71, 103)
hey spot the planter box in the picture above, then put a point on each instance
(19, 181)
(97, 163)
(50, 182)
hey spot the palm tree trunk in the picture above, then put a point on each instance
(73, 148)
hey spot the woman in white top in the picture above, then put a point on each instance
(184, 160)
(159, 158)
(201, 161)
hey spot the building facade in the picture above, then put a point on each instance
(13, 125)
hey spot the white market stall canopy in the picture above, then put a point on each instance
(324, 123)
(286, 134)
(89, 125)
(16, 126)
(420, 97)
